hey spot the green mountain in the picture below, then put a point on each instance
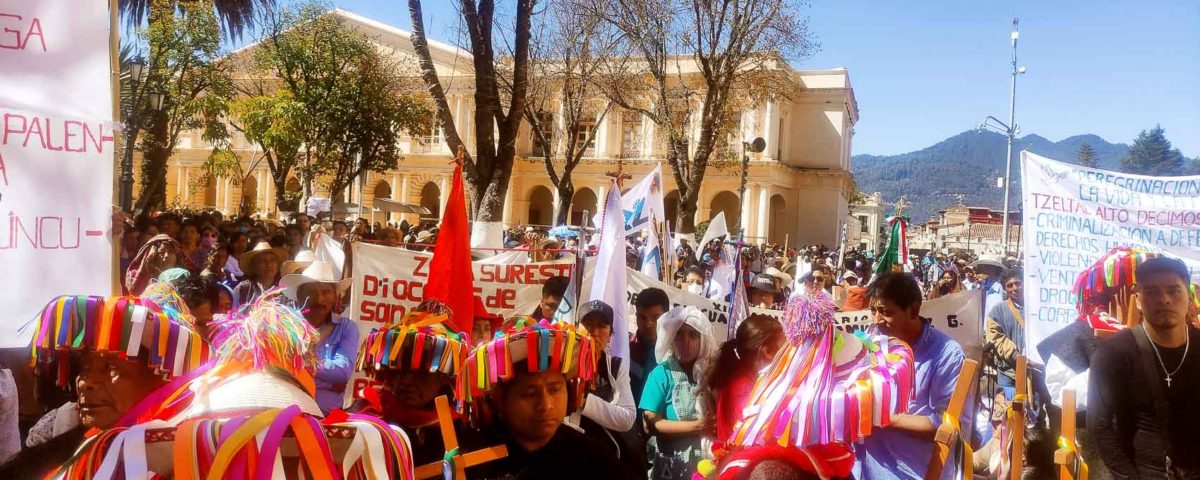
(968, 164)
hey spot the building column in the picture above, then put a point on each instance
(443, 196)
(507, 217)
(601, 139)
(764, 213)
(217, 191)
(746, 219)
(647, 137)
(771, 128)
(228, 194)
(269, 191)
(602, 196)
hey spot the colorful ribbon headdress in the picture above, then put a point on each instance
(541, 346)
(421, 342)
(825, 386)
(1108, 285)
(264, 336)
(119, 325)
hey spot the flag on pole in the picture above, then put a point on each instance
(652, 258)
(608, 281)
(642, 205)
(566, 308)
(896, 252)
(716, 229)
(739, 305)
(669, 252)
(450, 278)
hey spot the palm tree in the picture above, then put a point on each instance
(235, 15)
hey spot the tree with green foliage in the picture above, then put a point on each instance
(321, 99)
(496, 121)
(184, 43)
(1086, 155)
(1152, 154)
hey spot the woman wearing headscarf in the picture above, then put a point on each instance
(156, 256)
(669, 399)
(947, 284)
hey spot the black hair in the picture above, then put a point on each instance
(735, 357)
(650, 297)
(1010, 274)
(555, 286)
(695, 270)
(195, 290)
(898, 287)
(1159, 265)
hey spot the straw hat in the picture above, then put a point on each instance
(303, 259)
(260, 248)
(319, 271)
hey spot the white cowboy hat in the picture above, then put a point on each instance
(319, 271)
(303, 259)
(260, 248)
(253, 391)
(988, 261)
(777, 273)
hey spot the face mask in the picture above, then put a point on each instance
(695, 289)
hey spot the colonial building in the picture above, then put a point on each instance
(865, 227)
(964, 228)
(797, 189)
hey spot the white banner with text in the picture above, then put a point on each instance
(56, 157)
(1074, 215)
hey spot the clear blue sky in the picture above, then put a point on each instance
(925, 70)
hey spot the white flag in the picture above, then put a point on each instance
(716, 228)
(608, 279)
(642, 205)
(652, 256)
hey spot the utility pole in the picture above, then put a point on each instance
(1010, 130)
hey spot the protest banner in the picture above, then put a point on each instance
(1073, 215)
(56, 156)
(389, 281)
(959, 315)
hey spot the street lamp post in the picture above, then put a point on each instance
(1010, 130)
(755, 146)
(133, 120)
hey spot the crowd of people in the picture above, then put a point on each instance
(678, 397)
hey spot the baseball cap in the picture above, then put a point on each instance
(598, 307)
(764, 282)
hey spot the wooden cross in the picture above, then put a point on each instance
(1016, 424)
(1070, 465)
(460, 461)
(948, 434)
(620, 174)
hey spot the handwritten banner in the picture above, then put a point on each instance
(1074, 215)
(56, 156)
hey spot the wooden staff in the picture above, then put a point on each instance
(114, 66)
(1070, 465)
(450, 439)
(1016, 422)
(948, 433)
